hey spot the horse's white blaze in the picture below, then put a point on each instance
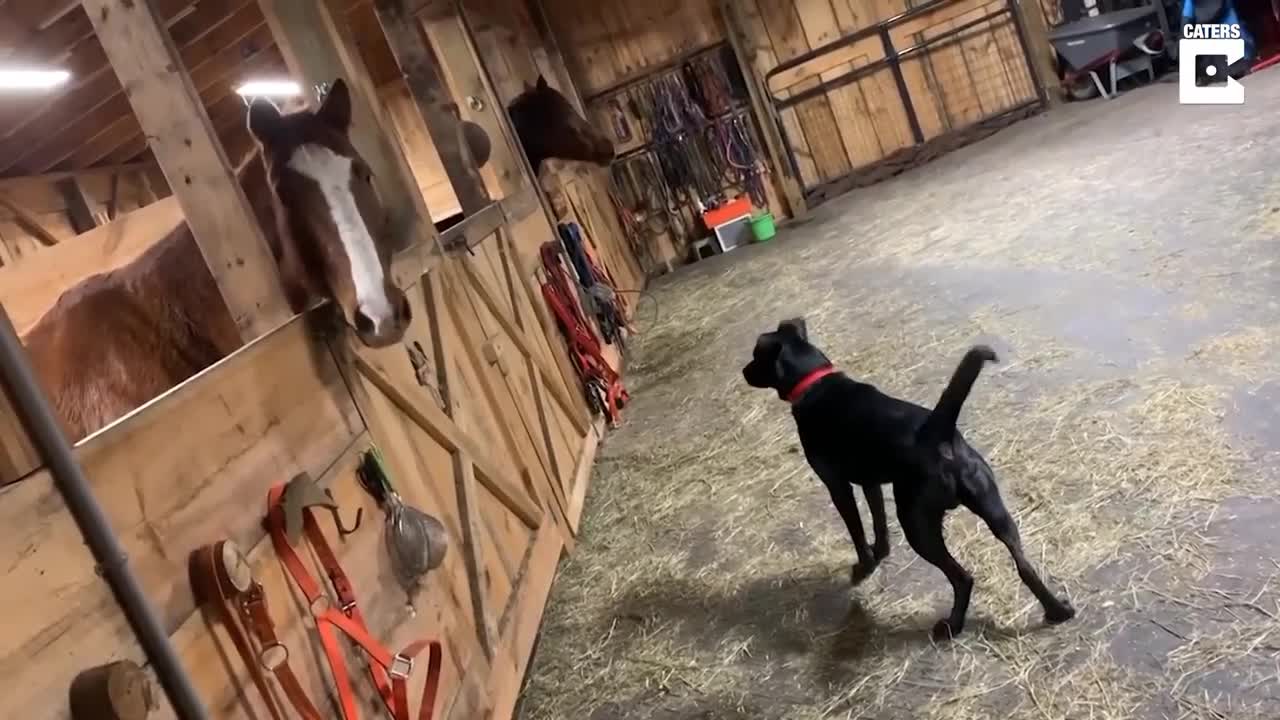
(332, 173)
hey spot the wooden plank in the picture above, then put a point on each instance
(521, 447)
(551, 45)
(50, 178)
(442, 430)
(422, 470)
(318, 50)
(185, 146)
(1035, 28)
(404, 37)
(469, 317)
(29, 222)
(744, 50)
(79, 209)
(520, 633)
(476, 102)
(420, 152)
(575, 412)
(815, 116)
(164, 496)
(860, 53)
(764, 59)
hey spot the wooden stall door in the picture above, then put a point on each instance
(864, 89)
(475, 406)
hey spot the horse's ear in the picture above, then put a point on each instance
(336, 108)
(542, 85)
(264, 120)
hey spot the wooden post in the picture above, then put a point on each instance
(169, 110)
(317, 50)
(439, 112)
(760, 105)
(543, 26)
(79, 212)
(1040, 51)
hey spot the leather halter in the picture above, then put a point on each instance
(223, 582)
(390, 673)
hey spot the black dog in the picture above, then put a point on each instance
(854, 434)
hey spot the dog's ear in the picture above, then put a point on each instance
(794, 327)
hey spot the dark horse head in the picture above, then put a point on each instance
(549, 127)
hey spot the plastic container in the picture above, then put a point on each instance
(762, 227)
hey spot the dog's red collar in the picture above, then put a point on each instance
(807, 382)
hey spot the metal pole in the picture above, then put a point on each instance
(46, 434)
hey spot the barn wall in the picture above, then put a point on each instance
(610, 45)
(977, 74)
(484, 427)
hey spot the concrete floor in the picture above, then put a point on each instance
(1121, 256)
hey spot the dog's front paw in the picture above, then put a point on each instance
(1059, 614)
(943, 631)
(861, 571)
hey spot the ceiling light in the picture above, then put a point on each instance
(24, 79)
(269, 88)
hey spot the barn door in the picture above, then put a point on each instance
(889, 83)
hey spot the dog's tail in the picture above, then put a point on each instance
(941, 423)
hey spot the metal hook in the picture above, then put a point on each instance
(344, 531)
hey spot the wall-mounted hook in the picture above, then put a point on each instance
(343, 530)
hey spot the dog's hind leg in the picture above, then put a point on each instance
(923, 528)
(991, 509)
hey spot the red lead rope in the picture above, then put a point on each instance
(584, 346)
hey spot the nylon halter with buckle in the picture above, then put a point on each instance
(389, 672)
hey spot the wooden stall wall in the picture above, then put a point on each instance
(478, 413)
(953, 84)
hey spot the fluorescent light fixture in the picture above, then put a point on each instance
(25, 79)
(269, 88)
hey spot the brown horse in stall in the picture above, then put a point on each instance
(119, 339)
(548, 127)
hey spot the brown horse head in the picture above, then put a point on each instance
(549, 127)
(330, 225)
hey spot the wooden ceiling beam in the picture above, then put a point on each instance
(102, 101)
(48, 45)
(40, 14)
(50, 178)
(213, 81)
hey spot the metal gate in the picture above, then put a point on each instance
(902, 91)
